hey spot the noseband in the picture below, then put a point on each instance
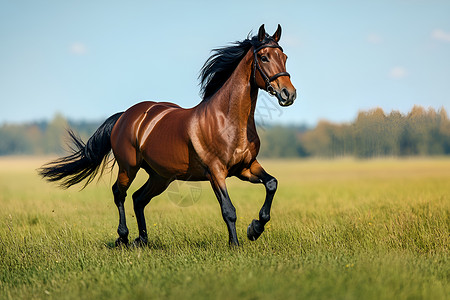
(267, 79)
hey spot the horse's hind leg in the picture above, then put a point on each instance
(119, 189)
(154, 186)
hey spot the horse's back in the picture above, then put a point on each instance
(126, 128)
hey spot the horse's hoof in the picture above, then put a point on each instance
(140, 242)
(254, 230)
(121, 242)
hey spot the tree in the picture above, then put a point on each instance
(54, 135)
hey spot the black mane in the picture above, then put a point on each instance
(221, 64)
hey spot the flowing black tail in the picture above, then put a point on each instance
(85, 160)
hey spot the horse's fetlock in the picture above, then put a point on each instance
(264, 217)
(122, 231)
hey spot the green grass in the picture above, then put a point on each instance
(340, 230)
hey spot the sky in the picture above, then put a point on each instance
(90, 59)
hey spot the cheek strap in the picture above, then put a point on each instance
(267, 79)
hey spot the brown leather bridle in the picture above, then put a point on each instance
(267, 79)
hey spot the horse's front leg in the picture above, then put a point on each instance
(256, 174)
(217, 180)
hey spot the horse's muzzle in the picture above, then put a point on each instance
(286, 97)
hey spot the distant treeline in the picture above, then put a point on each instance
(43, 137)
(421, 132)
(374, 133)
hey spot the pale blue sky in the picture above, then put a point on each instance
(90, 59)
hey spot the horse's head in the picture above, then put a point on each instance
(270, 68)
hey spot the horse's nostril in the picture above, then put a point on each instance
(284, 94)
(294, 95)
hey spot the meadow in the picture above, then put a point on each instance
(340, 229)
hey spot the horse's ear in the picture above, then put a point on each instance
(277, 35)
(261, 33)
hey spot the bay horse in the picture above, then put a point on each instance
(212, 141)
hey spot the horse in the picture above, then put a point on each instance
(214, 140)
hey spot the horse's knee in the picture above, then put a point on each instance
(271, 185)
(229, 214)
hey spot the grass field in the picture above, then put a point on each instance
(340, 230)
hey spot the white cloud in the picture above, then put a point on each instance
(440, 35)
(374, 38)
(398, 72)
(78, 49)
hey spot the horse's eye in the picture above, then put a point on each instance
(264, 58)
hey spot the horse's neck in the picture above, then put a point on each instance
(236, 99)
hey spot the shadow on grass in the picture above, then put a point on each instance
(157, 244)
(154, 245)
